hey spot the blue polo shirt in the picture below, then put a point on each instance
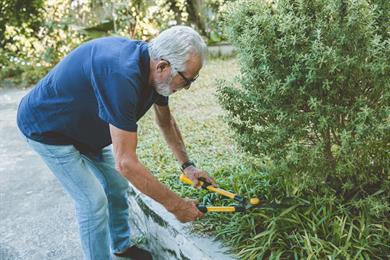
(102, 82)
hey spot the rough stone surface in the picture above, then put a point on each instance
(37, 218)
(169, 238)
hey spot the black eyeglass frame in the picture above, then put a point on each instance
(188, 81)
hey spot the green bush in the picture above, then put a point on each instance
(314, 94)
(312, 101)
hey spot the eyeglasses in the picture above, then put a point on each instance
(187, 81)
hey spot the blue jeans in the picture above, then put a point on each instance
(100, 196)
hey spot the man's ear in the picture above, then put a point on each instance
(162, 65)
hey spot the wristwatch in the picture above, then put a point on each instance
(187, 164)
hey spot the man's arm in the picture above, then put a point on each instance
(171, 132)
(174, 139)
(127, 163)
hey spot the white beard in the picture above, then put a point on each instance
(163, 88)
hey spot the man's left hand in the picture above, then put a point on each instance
(194, 174)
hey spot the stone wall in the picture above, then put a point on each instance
(166, 237)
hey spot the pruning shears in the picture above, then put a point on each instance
(243, 203)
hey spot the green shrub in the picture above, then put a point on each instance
(16, 74)
(312, 101)
(314, 93)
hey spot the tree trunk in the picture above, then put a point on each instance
(195, 14)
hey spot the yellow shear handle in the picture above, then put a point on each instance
(225, 193)
(221, 209)
(206, 209)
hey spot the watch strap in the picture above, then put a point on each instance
(187, 164)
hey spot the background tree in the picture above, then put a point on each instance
(36, 34)
(19, 13)
(30, 52)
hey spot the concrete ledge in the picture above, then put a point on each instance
(221, 50)
(166, 237)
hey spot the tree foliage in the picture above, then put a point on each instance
(18, 13)
(31, 49)
(314, 95)
(36, 34)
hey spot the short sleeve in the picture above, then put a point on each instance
(161, 100)
(117, 100)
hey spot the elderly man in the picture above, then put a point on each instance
(93, 98)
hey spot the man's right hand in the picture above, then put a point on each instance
(186, 210)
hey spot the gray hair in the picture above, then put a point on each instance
(176, 45)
